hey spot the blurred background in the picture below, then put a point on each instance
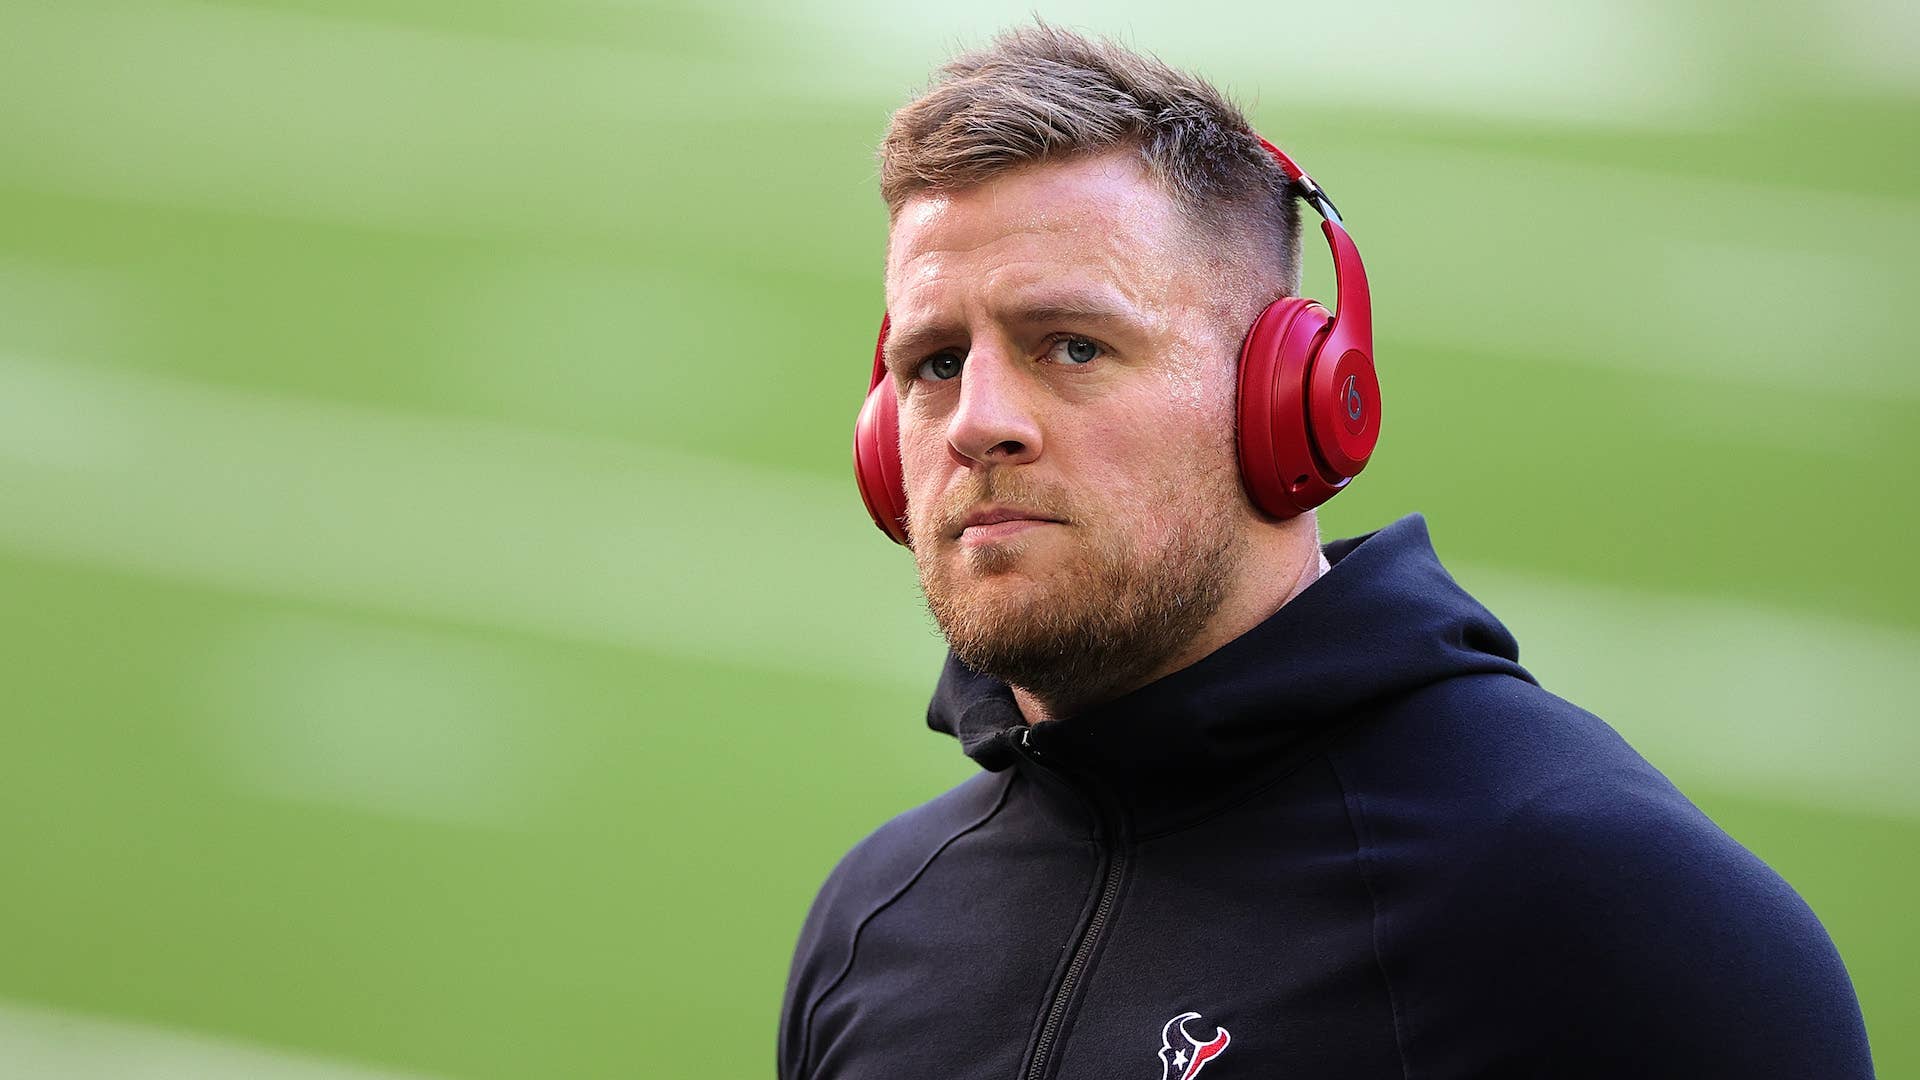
(441, 634)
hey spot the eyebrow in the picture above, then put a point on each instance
(1073, 307)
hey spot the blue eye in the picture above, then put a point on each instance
(940, 367)
(1075, 351)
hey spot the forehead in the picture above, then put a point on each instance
(1100, 216)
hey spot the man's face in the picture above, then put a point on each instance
(1062, 348)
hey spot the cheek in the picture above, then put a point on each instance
(1200, 378)
(1179, 450)
(1188, 419)
(1186, 382)
(923, 452)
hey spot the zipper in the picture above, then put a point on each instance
(1114, 855)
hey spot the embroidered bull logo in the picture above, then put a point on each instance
(1181, 1055)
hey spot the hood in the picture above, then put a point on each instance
(1384, 621)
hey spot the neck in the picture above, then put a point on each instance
(1285, 561)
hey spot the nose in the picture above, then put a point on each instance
(995, 422)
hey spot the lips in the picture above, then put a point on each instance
(997, 515)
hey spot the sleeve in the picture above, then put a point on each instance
(877, 870)
(822, 955)
(1609, 931)
(803, 981)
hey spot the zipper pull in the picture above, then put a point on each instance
(1021, 736)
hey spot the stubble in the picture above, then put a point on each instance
(1100, 624)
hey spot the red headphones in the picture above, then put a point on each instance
(1309, 400)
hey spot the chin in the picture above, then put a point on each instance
(1000, 560)
(1002, 585)
(1029, 554)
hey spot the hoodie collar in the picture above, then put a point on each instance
(1385, 620)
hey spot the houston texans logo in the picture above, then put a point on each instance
(1181, 1055)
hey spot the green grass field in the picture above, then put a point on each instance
(442, 635)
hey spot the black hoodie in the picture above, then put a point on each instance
(1358, 841)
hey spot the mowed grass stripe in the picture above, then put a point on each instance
(685, 556)
(487, 524)
(39, 1042)
(1788, 708)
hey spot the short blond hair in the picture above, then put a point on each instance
(1039, 93)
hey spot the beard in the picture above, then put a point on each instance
(1104, 622)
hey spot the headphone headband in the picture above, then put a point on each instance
(1352, 325)
(1313, 193)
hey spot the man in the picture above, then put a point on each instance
(1249, 806)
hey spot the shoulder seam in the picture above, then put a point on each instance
(853, 947)
(1363, 859)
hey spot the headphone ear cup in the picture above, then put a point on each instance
(1343, 408)
(1279, 464)
(876, 461)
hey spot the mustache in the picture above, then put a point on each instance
(998, 487)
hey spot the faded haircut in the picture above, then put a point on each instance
(1040, 93)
